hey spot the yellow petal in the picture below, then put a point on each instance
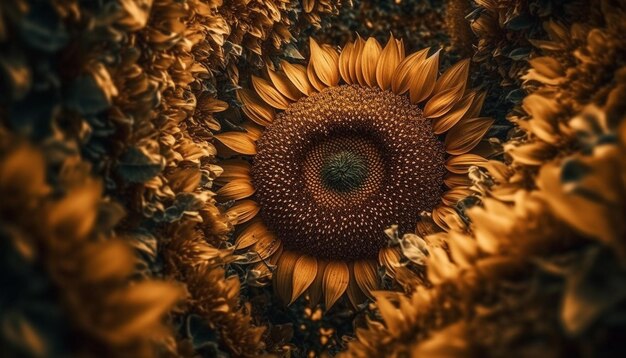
(284, 85)
(251, 234)
(254, 108)
(244, 210)
(477, 105)
(443, 124)
(269, 94)
(284, 275)
(304, 273)
(355, 295)
(454, 76)
(401, 79)
(369, 60)
(315, 290)
(234, 169)
(325, 62)
(423, 78)
(336, 278)
(366, 276)
(236, 189)
(388, 61)
(460, 164)
(442, 102)
(392, 316)
(457, 180)
(466, 134)
(389, 258)
(453, 196)
(356, 75)
(313, 79)
(297, 74)
(237, 141)
(266, 247)
(344, 62)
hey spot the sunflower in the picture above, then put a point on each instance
(338, 151)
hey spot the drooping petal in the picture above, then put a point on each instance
(255, 109)
(237, 141)
(355, 294)
(389, 59)
(315, 290)
(336, 279)
(460, 164)
(423, 78)
(297, 74)
(283, 276)
(269, 94)
(244, 210)
(401, 79)
(284, 85)
(369, 60)
(304, 273)
(464, 136)
(366, 276)
(236, 189)
(325, 61)
(444, 123)
(344, 62)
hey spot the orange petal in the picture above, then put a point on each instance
(442, 102)
(460, 164)
(423, 78)
(366, 276)
(254, 108)
(389, 59)
(466, 134)
(304, 273)
(457, 180)
(269, 94)
(266, 246)
(297, 74)
(251, 234)
(234, 169)
(236, 189)
(443, 124)
(315, 290)
(356, 75)
(401, 80)
(454, 76)
(244, 210)
(284, 85)
(284, 275)
(453, 196)
(369, 59)
(237, 141)
(344, 62)
(336, 278)
(389, 257)
(325, 63)
(355, 295)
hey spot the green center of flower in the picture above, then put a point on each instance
(344, 171)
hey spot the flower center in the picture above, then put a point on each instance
(344, 171)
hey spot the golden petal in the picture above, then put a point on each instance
(254, 108)
(462, 248)
(443, 124)
(315, 290)
(283, 277)
(442, 102)
(369, 60)
(498, 170)
(401, 79)
(460, 164)
(439, 216)
(389, 59)
(466, 134)
(389, 257)
(325, 61)
(251, 234)
(237, 141)
(236, 189)
(453, 196)
(455, 75)
(284, 85)
(297, 74)
(313, 79)
(457, 180)
(308, 5)
(244, 210)
(366, 276)
(392, 316)
(344, 62)
(253, 130)
(336, 279)
(266, 246)
(304, 273)
(424, 78)
(234, 169)
(356, 75)
(477, 105)
(355, 295)
(269, 94)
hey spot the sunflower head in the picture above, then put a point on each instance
(340, 150)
